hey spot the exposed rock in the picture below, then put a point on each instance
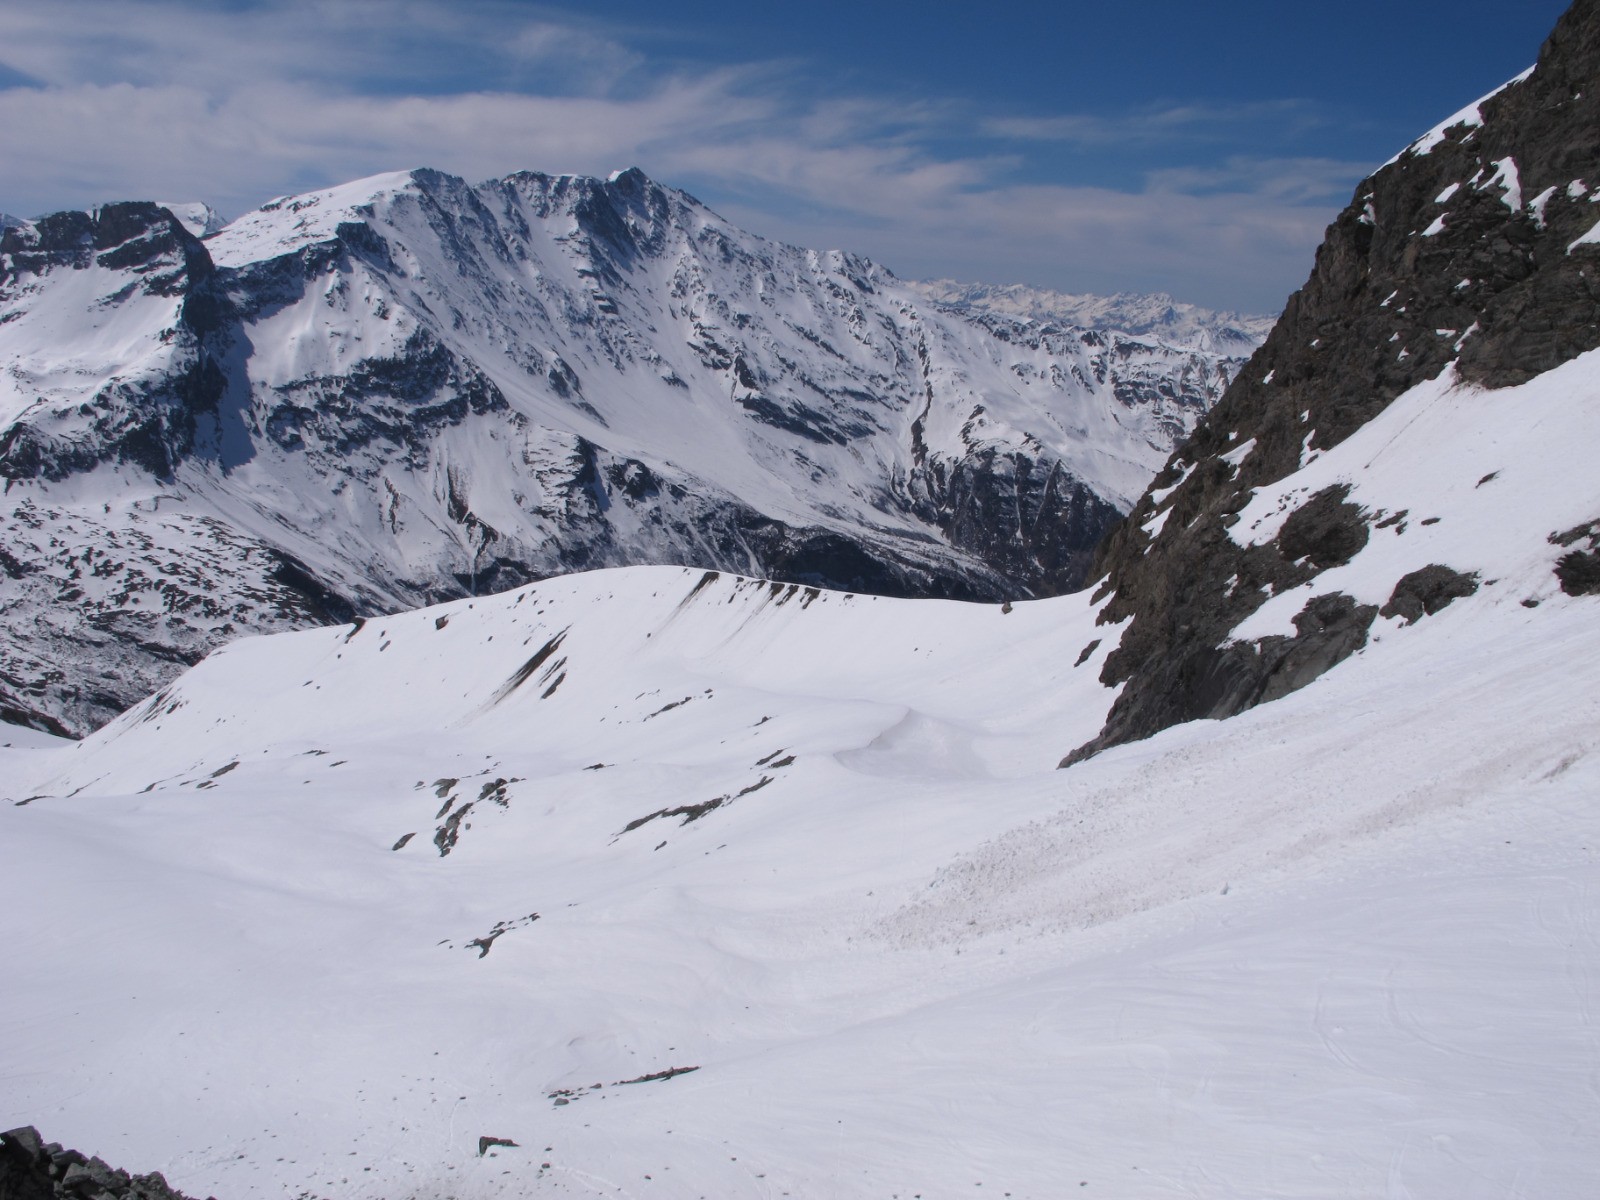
(1326, 531)
(1579, 573)
(33, 1169)
(1467, 250)
(1424, 592)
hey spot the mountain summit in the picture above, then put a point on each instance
(409, 388)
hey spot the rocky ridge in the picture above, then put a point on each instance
(410, 389)
(1472, 253)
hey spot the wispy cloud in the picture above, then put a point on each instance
(235, 104)
(1155, 124)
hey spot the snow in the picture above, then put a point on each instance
(1537, 205)
(1307, 454)
(1158, 496)
(198, 218)
(1239, 453)
(738, 382)
(1470, 116)
(1505, 177)
(289, 223)
(1588, 239)
(1138, 315)
(1436, 227)
(1338, 945)
(85, 332)
(1444, 196)
(1426, 454)
(918, 960)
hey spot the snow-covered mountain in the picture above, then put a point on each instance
(657, 881)
(1141, 314)
(410, 388)
(199, 218)
(1449, 309)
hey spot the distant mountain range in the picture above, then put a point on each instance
(1143, 315)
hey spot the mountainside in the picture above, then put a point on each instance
(1284, 534)
(667, 882)
(655, 882)
(409, 388)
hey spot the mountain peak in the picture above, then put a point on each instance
(409, 388)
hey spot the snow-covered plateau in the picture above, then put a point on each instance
(692, 884)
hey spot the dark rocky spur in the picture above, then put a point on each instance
(1451, 255)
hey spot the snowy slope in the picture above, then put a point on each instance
(409, 388)
(337, 904)
(902, 952)
(1342, 944)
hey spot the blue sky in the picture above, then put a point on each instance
(1148, 145)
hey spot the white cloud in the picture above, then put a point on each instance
(1152, 124)
(236, 106)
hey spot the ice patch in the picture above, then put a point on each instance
(1239, 453)
(1505, 177)
(1536, 206)
(1588, 239)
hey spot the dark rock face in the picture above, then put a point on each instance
(1455, 253)
(1326, 531)
(1578, 571)
(33, 1169)
(1424, 592)
(1031, 521)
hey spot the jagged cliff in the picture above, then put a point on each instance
(1469, 260)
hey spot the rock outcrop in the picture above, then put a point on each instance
(1477, 250)
(33, 1169)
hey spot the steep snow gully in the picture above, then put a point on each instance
(657, 881)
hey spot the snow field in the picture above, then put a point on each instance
(1340, 945)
